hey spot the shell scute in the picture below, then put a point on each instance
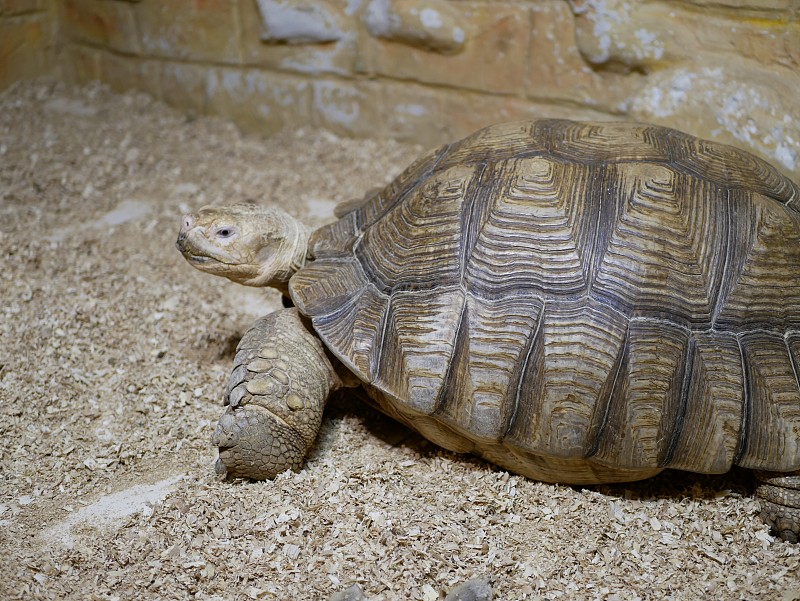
(713, 406)
(423, 233)
(418, 346)
(528, 238)
(356, 329)
(665, 253)
(771, 438)
(567, 380)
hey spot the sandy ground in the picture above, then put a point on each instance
(113, 355)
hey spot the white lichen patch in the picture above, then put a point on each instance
(649, 45)
(236, 82)
(729, 104)
(667, 99)
(412, 109)
(298, 22)
(620, 31)
(430, 18)
(786, 152)
(606, 16)
(337, 104)
(315, 62)
(352, 7)
(378, 18)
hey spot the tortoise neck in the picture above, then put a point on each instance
(293, 251)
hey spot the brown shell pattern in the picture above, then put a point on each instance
(575, 301)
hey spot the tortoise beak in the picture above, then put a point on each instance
(187, 224)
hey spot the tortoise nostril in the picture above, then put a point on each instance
(187, 224)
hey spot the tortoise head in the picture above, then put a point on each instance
(246, 243)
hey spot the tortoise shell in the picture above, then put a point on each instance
(576, 302)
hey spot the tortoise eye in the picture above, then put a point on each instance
(225, 232)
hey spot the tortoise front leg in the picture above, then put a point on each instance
(779, 494)
(280, 381)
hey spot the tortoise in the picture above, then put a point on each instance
(575, 302)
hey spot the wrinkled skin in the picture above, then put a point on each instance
(250, 245)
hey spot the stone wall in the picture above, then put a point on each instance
(433, 70)
(27, 40)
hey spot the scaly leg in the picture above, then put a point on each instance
(280, 381)
(780, 502)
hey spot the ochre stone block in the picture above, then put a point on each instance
(792, 41)
(22, 50)
(771, 43)
(20, 7)
(412, 112)
(558, 71)
(734, 101)
(312, 59)
(750, 5)
(648, 37)
(107, 24)
(435, 25)
(300, 21)
(258, 101)
(345, 108)
(183, 85)
(467, 112)
(123, 73)
(200, 30)
(493, 60)
(728, 69)
(82, 63)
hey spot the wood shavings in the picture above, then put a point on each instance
(114, 354)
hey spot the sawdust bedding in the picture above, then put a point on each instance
(113, 355)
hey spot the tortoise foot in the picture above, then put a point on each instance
(274, 399)
(779, 495)
(255, 444)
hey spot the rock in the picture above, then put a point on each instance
(617, 32)
(737, 102)
(431, 24)
(477, 589)
(298, 22)
(350, 594)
